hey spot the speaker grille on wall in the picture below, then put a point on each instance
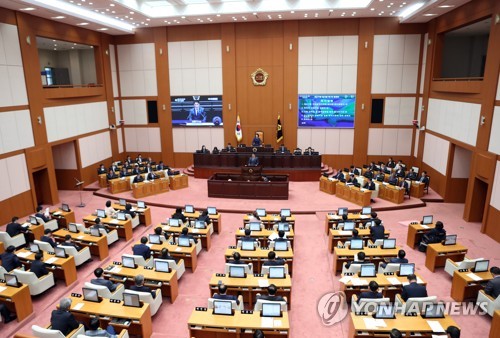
(377, 110)
(152, 112)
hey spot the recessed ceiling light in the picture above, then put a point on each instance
(218, 15)
(58, 17)
(148, 19)
(331, 10)
(183, 17)
(55, 48)
(372, 9)
(446, 6)
(254, 13)
(292, 12)
(430, 14)
(82, 24)
(102, 29)
(131, 12)
(112, 5)
(28, 9)
(78, 4)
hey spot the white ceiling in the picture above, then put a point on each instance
(123, 16)
(57, 45)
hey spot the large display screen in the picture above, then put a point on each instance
(196, 110)
(327, 111)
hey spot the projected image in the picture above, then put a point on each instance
(196, 110)
(327, 111)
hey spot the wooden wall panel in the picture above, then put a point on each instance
(19, 205)
(228, 43)
(337, 161)
(438, 181)
(491, 224)
(328, 27)
(456, 190)
(289, 117)
(7, 16)
(66, 179)
(195, 32)
(183, 160)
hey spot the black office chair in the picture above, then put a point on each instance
(426, 187)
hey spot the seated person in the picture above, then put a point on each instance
(7, 316)
(424, 178)
(256, 142)
(48, 238)
(436, 235)
(380, 177)
(185, 234)
(400, 172)
(222, 294)
(114, 167)
(355, 235)
(164, 254)
(204, 150)
(236, 259)
(99, 225)
(377, 231)
(358, 259)
(152, 176)
(404, 184)
(148, 168)
(393, 180)
(111, 175)
(138, 178)
(62, 319)
(128, 162)
(391, 163)
(271, 294)
(41, 215)
(161, 166)
(204, 217)
(179, 215)
(69, 242)
(159, 231)
(139, 286)
(273, 260)
(99, 280)
(215, 151)
(95, 331)
(14, 228)
(413, 290)
(247, 237)
(229, 147)
(281, 237)
(136, 170)
(138, 159)
(412, 175)
(254, 217)
(282, 220)
(339, 175)
(372, 166)
(368, 174)
(399, 260)
(124, 172)
(142, 249)
(453, 332)
(253, 161)
(492, 288)
(282, 149)
(109, 210)
(101, 169)
(38, 266)
(128, 210)
(395, 333)
(370, 185)
(354, 171)
(372, 294)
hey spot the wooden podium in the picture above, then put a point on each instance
(251, 173)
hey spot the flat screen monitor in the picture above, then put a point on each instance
(200, 224)
(434, 310)
(367, 270)
(154, 239)
(203, 111)
(141, 204)
(121, 216)
(326, 110)
(254, 226)
(174, 222)
(95, 232)
(481, 266)
(450, 240)
(33, 220)
(271, 309)
(356, 244)
(72, 227)
(237, 271)
(427, 219)
(349, 226)
(261, 212)
(366, 211)
(189, 208)
(60, 252)
(131, 299)
(223, 307)
(276, 272)
(11, 280)
(247, 245)
(128, 262)
(101, 213)
(34, 248)
(65, 207)
(161, 265)
(184, 242)
(90, 295)
(342, 211)
(282, 226)
(123, 202)
(385, 311)
(389, 243)
(406, 269)
(280, 246)
(285, 213)
(212, 210)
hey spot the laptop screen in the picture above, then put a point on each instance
(184, 242)
(280, 246)
(90, 295)
(121, 216)
(154, 239)
(367, 270)
(33, 220)
(427, 219)
(123, 202)
(434, 310)
(450, 240)
(72, 227)
(254, 226)
(11, 280)
(247, 245)
(271, 310)
(65, 207)
(406, 269)
(200, 225)
(223, 307)
(389, 243)
(283, 226)
(285, 213)
(384, 311)
(189, 209)
(141, 204)
(356, 244)
(366, 211)
(212, 210)
(276, 272)
(481, 266)
(131, 299)
(237, 271)
(174, 222)
(101, 213)
(95, 232)
(261, 212)
(342, 211)
(161, 266)
(349, 226)
(34, 248)
(128, 262)
(60, 252)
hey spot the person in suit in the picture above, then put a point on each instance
(370, 185)
(256, 142)
(355, 235)
(380, 176)
(354, 171)
(148, 169)
(160, 166)
(492, 288)
(372, 166)
(397, 260)
(48, 238)
(400, 172)
(281, 236)
(395, 333)
(254, 217)
(128, 162)
(215, 151)
(253, 161)
(99, 225)
(111, 175)
(139, 285)
(339, 175)
(69, 242)
(136, 170)
(152, 176)
(165, 254)
(7, 316)
(282, 149)
(62, 319)
(222, 294)
(411, 175)
(393, 180)
(273, 260)
(229, 147)
(204, 217)
(358, 259)
(236, 259)
(453, 332)
(197, 113)
(391, 163)
(128, 210)
(95, 331)
(185, 234)
(258, 334)
(271, 294)
(14, 228)
(424, 178)
(436, 235)
(179, 215)
(114, 167)
(41, 215)
(142, 249)
(99, 280)
(368, 173)
(377, 231)
(139, 159)
(413, 290)
(248, 237)
(204, 150)
(382, 168)
(123, 172)
(101, 170)
(38, 266)
(372, 294)
(9, 259)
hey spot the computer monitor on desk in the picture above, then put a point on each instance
(33, 220)
(481, 266)
(60, 252)
(434, 310)
(261, 212)
(389, 243)
(122, 202)
(356, 244)
(182, 241)
(65, 207)
(237, 271)
(11, 280)
(162, 265)
(72, 227)
(189, 208)
(450, 240)
(366, 211)
(282, 226)
(223, 307)
(34, 248)
(212, 210)
(342, 211)
(95, 232)
(174, 222)
(349, 226)
(254, 226)
(131, 299)
(385, 311)
(406, 269)
(90, 295)
(141, 204)
(121, 216)
(367, 270)
(247, 245)
(271, 309)
(276, 272)
(128, 262)
(285, 213)
(427, 219)
(154, 239)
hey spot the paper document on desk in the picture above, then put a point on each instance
(435, 326)
(345, 233)
(80, 237)
(116, 269)
(178, 249)
(438, 336)
(195, 231)
(473, 276)
(26, 225)
(273, 236)
(140, 210)
(345, 279)
(267, 322)
(263, 283)
(149, 245)
(424, 226)
(166, 227)
(419, 281)
(2, 289)
(51, 260)
(57, 213)
(393, 280)
(24, 254)
(358, 282)
(372, 323)
(364, 216)
(78, 306)
(277, 323)
(114, 221)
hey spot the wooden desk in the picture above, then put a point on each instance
(250, 286)
(144, 214)
(409, 326)
(118, 185)
(417, 189)
(216, 219)
(263, 236)
(2, 249)
(206, 324)
(124, 228)
(391, 193)
(258, 256)
(98, 246)
(464, 287)
(140, 318)
(144, 189)
(167, 281)
(62, 268)
(352, 194)
(179, 182)
(388, 288)
(332, 218)
(495, 325)
(438, 253)
(201, 234)
(270, 219)
(103, 180)
(336, 236)
(63, 217)
(35, 232)
(372, 255)
(328, 185)
(415, 233)
(17, 300)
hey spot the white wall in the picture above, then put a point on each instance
(12, 84)
(135, 111)
(399, 110)
(494, 146)
(195, 67)
(389, 141)
(424, 63)
(114, 72)
(436, 152)
(458, 120)
(143, 139)
(118, 115)
(187, 140)
(327, 141)
(16, 131)
(137, 66)
(498, 89)
(67, 121)
(120, 140)
(395, 64)
(64, 156)
(417, 133)
(13, 176)
(495, 194)
(461, 163)
(94, 148)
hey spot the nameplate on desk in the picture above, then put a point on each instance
(246, 312)
(388, 273)
(411, 314)
(77, 295)
(78, 306)
(258, 275)
(2, 288)
(115, 301)
(264, 248)
(148, 268)
(117, 263)
(349, 274)
(24, 254)
(200, 309)
(220, 275)
(231, 247)
(463, 270)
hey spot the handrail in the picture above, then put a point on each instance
(458, 79)
(90, 85)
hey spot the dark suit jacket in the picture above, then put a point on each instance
(152, 176)
(111, 176)
(256, 141)
(368, 174)
(100, 226)
(38, 267)
(413, 290)
(49, 240)
(124, 174)
(14, 229)
(492, 288)
(101, 171)
(42, 216)
(391, 164)
(400, 173)
(226, 297)
(10, 261)
(339, 176)
(104, 282)
(377, 232)
(131, 213)
(411, 176)
(393, 181)
(179, 215)
(63, 321)
(253, 162)
(142, 289)
(398, 260)
(369, 294)
(272, 298)
(74, 245)
(276, 262)
(138, 179)
(168, 257)
(205, 218)
(369, 186)
(348, 264)
(142, 250)
(424, 180)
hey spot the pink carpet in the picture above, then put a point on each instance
(312, 277)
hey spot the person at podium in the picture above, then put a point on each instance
(256, 142)
(253, 161)
(197, 113)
